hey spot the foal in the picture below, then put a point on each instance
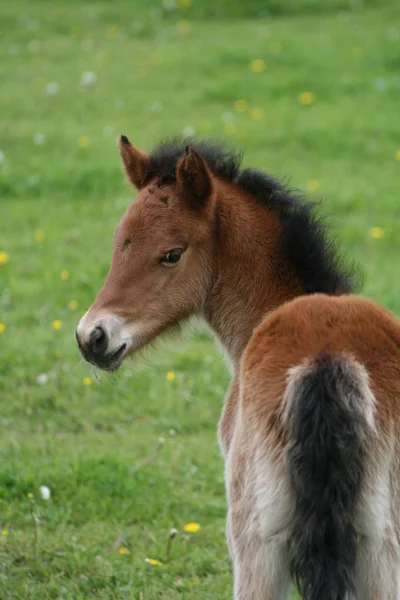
(310, 430)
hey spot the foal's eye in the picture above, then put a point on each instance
(172, 257)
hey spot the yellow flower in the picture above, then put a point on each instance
(357, 52)
(191, 527)
(30, 495)
(87, 381)
(57, 324)
(39, 236)
(65, 275)
(229, 128)
(74, 30)
(256, 113)
(112, 32)
(376, 233)
(156, 58)
(313, 185)
(123, 550)
(258, 65)
(240, 105)
(183, 27)
(2, 327)
(153, 562)
(83, 141)
(184, 4)
(398, 154)
(171, 376)
(103, 56)
(4, 532)
(73, 304)
(4, 258)
(306, 98)
(241, 134)
(141, 73)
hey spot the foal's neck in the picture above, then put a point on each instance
(251, 276)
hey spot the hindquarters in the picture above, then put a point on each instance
(309, 486)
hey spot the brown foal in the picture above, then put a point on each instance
(310, 431)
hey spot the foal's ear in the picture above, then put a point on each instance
(136, 163)
(193, 178)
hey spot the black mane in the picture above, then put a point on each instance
(304, 241)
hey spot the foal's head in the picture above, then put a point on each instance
(205, 237)
(162, 257)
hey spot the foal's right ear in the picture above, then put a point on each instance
(193, 178)
(136, 163)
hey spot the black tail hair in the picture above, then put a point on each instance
(325, 460)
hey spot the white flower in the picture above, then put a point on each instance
(2, 157)
(393, 34)
(33, 180)
(87, 45)
(39, 138)
(33, 45)
(42, 378)
(169, 4)
(161, 440)
(108, 130)
(52, 88)
(123, 203)
(380, 84)
(228, 117)
(156, 107)
(88, 78)
(189, 131)
(44, 492)
(32, 25)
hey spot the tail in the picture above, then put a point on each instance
(329, 411)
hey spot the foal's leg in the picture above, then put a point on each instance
(378, 572)
(378, 555)
(261, 571)
(258, 519)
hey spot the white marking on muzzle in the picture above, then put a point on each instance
(118, 330)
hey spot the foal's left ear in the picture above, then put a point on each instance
(136, 163)
(194, 178)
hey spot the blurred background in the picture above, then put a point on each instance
(310, 91)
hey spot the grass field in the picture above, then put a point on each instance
(310, 91)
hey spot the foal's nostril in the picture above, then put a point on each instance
(98, 341)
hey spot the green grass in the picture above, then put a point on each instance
(95, 445)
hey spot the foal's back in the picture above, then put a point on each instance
(313, 471)
(310, 325)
